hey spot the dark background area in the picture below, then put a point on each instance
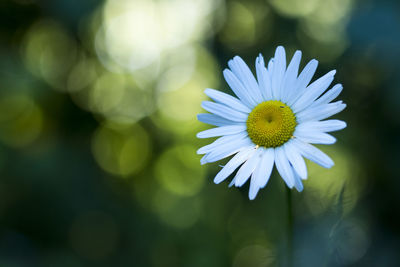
(98, 104)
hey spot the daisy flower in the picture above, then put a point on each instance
(272, 121)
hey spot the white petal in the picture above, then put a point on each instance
(314, 137)
(224, 111)
(233, 163)
(264, 81)
(295, 159)
(289, 81)
(320, 112)
(203, 160)
(232, 182)
(329, 95)
(214, 119)
(278, 71)
(313, 153)
(262, 173)
(237, 87)
(247, 168)
(253, 188)
(242, 71)
(302, 81)
(222, 141)
(283, 166)
(227, 100)
(297, 182)
(313, 91)
(322, 126)
(222, 130)
(270, 66)
(227, 150)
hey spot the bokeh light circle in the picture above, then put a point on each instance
(179, 172)
(121, 151)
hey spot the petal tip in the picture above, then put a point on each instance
(207, 90)
(280, 47)
(332, 73)
(330, 165)
(217, 180)
(300, 189)
(314, 61)
(203, 160)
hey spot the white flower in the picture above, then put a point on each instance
(274, 119)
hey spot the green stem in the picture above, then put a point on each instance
(289, 227)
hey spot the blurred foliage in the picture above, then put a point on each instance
(98, 101)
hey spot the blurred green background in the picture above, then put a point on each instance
(98, 104)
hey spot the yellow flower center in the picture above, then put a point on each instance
(271, 124)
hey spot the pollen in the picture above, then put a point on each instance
(271, 124)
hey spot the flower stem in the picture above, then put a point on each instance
(290, 227)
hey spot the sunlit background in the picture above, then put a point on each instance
(98, 164)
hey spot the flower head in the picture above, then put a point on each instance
(273, 120)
